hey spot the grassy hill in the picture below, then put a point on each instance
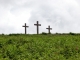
(39, 47)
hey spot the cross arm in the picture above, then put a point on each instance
(38, 24)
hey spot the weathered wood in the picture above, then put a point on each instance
(25, 26)
(49, 29)
(37, 26)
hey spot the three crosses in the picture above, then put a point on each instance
(37, 28)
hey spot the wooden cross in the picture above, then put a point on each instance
(25, 27)
(37, 27)
(49, 29)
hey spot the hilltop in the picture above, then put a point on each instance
(40, 47)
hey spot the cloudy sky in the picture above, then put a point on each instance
(62, 15)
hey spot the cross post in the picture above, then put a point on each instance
(37, 27)
(49, 29)
(25, 27)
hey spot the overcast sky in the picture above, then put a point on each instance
(62, 15)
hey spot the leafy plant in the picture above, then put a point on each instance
(40, 47)
(44, 33)
(72, 33)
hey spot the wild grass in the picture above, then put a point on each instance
(39, 47)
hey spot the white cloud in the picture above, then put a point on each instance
(62, 15)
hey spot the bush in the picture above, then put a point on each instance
(43, 33)
(72, 33)
(58, 33)
(14, 34)
(2, 34)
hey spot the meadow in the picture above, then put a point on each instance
(39, 47)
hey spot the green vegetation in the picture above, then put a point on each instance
(40, 47)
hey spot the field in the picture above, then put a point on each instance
(39, 47)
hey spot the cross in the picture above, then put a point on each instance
(49, 29)
(37, 27)
(25, 27)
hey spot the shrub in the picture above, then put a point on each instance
(14, 34)
(2, 34)
(43, 33)
(72, 33)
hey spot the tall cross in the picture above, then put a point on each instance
(49, 29)
(25, 28)
(37, 27)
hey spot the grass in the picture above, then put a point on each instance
(39, 47)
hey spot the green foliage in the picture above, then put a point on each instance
(44, 33)
(72, 33)
(40, 47)
(14, 34)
